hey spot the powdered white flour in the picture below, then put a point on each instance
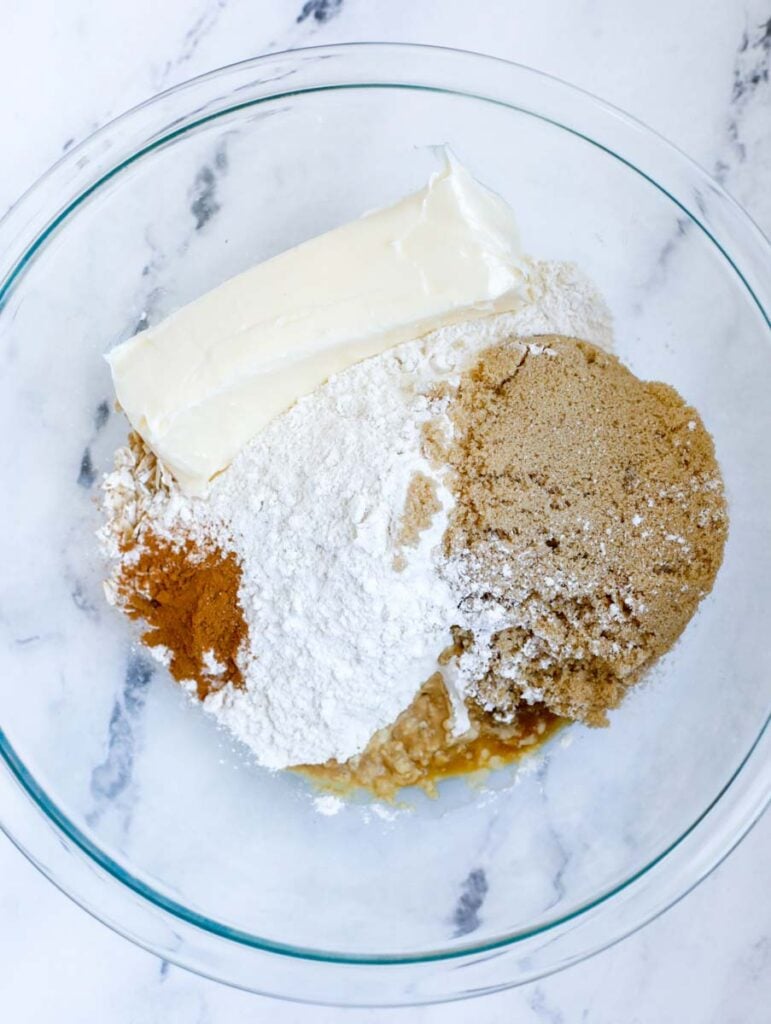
(340, 640)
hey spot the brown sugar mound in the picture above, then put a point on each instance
(590, 521)
(189, 599)
(420, 506)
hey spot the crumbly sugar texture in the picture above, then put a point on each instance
(363, 533)
(589, 522)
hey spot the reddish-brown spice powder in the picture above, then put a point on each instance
(188, 597)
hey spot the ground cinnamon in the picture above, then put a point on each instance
(189, 599)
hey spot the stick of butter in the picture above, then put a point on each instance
(203, 382)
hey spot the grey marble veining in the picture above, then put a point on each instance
(750, 83)
(709, 959)
(204, 202)
(321, 10)
(466, 914)
(749, 94)
(203, 25)
(111, 779)
(87, 475)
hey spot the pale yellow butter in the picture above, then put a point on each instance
(207, 379)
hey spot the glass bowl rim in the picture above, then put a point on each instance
(14, 274)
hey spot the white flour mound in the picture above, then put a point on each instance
(339, 639)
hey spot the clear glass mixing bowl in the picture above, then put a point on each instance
(121, 791)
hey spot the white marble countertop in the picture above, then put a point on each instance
(698, 72)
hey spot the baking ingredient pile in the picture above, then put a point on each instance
(497, 510)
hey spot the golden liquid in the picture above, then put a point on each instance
(418, 749)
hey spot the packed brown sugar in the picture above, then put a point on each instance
(590, 508)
